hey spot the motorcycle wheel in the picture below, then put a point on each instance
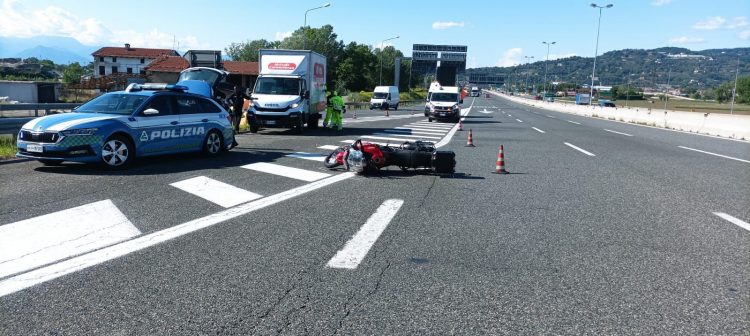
(330, 161)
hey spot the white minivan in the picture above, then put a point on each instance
(385, 97)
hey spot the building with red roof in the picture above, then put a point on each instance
(127, 60)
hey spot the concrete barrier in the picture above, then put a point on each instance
(723, 125)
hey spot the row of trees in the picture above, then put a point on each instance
(351, 67)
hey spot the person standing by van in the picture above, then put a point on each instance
(337, 108)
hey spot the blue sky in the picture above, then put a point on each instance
(496, 32)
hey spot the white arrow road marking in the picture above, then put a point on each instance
(357, 247)
(54, 271)
(733, 220)
(719, 155)
(485, 111)
(579, 149)
(295, 173)
(41, 240)
(215, 191)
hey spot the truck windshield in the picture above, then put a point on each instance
(277, 86)
(444, 97)
(113, 103)
(380, 95)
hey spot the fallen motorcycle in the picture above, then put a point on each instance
(367, 158)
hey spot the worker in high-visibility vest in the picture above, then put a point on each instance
(334, 109)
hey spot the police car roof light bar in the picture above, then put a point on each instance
(155, 86)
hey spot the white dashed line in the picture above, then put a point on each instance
(519, 120)
(579, 149)
(538, 130)
(733, 220)
(295, 173)
(616, 132)
(573, 122)
(328, 147)
(215, 191)
(719, 155)
(357, 247)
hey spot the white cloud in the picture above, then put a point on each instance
(282, 35)
(718, 22)
(439, 25)
(660, 2)
(745, 34)
(686, 40)
(510, 57)
(19, 21)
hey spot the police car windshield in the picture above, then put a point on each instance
(379, 95)
(444, 97)
(113, 103)
(277, 86)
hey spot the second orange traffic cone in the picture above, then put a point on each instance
(460, 125)
(500, 164)
(470, 141)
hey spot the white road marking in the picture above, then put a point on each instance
(449, 136)
(538, 130)
(38, 241)
(616, 132)
(579, 149)
(551, 116)
(719, 155)
(357, 247)
(409, 136)
(215, 191)
(425, 128)
(308, 156)
(385, 138)
(519, 120)
(44, 274)
(573, 122)
(733, 220)
(433, 125)
(413, 131)
(295, 173)
(328, 147)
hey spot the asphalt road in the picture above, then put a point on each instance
(622, 242)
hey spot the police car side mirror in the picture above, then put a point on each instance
(150, 111)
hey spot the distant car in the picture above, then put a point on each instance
(607, 104)
(115, 128)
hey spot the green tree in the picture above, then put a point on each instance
(387, 57)
(355, 71)
(248, 51)
(321, 40)
(72, 73)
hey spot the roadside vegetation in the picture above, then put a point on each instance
(7, 147)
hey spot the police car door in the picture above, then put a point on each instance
(195, 120)
(156, 123)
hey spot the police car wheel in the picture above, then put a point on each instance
(213, 143)
(116, 152)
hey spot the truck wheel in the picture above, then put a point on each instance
(429, 119)
(299, 127)
(312, 122)
(254, 128)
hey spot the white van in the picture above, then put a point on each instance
(474, 91)
(385, 97)
(444, 103)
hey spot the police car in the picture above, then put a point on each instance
(144, 120)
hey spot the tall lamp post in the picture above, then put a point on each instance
(526, 85)
(381, 58)
(546, 60)
(304, 26)
(596, 51)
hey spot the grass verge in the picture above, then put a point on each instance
(7, 147)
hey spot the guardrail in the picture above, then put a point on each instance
(366, 105)
(12, 125)
(29, 110)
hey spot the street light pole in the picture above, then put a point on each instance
(596, 50)
(526, 84)
(545, 65)
(304, 26)
(734, 91)
(381, 58)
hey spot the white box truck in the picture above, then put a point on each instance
(385, 97)
(289, 91)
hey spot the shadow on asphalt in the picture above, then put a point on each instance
(461, 176)
(169, 164)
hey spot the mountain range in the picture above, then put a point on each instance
(61, 50)
(676, 67)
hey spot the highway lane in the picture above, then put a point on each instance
(566, 244)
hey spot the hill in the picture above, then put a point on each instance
(60, 50)
(645, 68)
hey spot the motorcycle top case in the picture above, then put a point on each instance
(444, 162)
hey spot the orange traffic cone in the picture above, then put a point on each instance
(500, 165)
(470, 142)
(460, 125)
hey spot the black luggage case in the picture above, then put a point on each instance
(444, 162)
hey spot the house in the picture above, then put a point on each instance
(115, 60)
(166, 69)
